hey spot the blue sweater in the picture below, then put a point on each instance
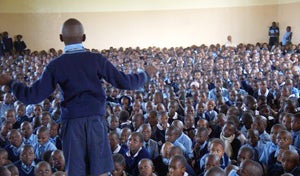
(79, 76)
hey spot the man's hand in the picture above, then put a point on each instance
(151, 70)
(5, 79)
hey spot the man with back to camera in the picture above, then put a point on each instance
(79, 73)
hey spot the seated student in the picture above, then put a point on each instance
(216, 146)
(27, 162)
(175, 150)
(124, 120)
(184, 139)
(250, 168)
(286, 120)
(43, 168)
(210, 112)
(189, 126)
(271, 146)
(161, 162)
(125, 133)
(162, 125)
(114, 142)
(245, 152)
(200, 111)
(177, 166)
(5, 128)
(254, 143)
(284, 142)
(215, 171)
(28, 136)
(135, 153)
(16, 144)
(200, 146)
(295, 126)
(54, 137)
(146, 168)
(247, 120)
(45, 118)
(137, 121)
(260, 123)
(172, 111)
(58, 160)
(149, 144)
(232, 143)
(119, 165)
(13, 170)
(290, 162)
(10, 116)
(3, 157)
(211, 160)
(44, 144)
(172, 135)
(113, 124)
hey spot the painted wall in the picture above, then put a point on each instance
(162, 26)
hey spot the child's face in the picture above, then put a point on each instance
(170, 135)
(149, 106)
(134, 143)
(145, 168)
(228, 130)
(124, 136)
(118, 169)
(200, 108)
(11, 117)
(175, 168)
(201, 137)
(43, 170)
(53, 130)
(27, 156)
(164, 119)
(295, 124)
(210, 162)
(188, 121)
(3, 158)
(15, 139)
(45, 120)
(26, 130)
(117, 110)
(58, 160)
(210, 105)
(253, 139)
(273, 134)
(286, 121)
(152, 119)
(242, 155)
(283, 140)
(146, 133)
(20, 110)
(216, 149)
(43, 137)
(288, 162)
(114, 123)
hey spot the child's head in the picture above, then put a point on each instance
(124, 116)
(152, 118)
(20, 109)
(3, 157)
(228, 129)
(275, 130)
(177, 165)
(114, 140)
(201, 135)
(250, 167)
(5, 128)
(165, 149)
(286, 120)
(211, 160)
(45, 118)
(290, 160)
(215, 171)
(146, 131)
(200, 108)
(253, 137)
(210, 105)
(119, 164)
(172, 133)
(37, 110)
(284, 139)
(116, 110)
(135, 142)
(27, 155)
(58, 159)
(245, 152)
(10, 116)
(295, 123)
(43, 168)
(113, 122)
(15, 138)
(163, 118)
(43, 135)
(146, 167)
(125, 133)
(13, 170)
(46, 105)
(250, 103)
(26, 129)
(202, 123)
(137, 120)
(259, 123)
(216, 146)
(189, 121)
(54, 127)
(149, 106)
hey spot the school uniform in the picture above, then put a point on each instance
(296, 138)
(13, 152)
(32, 140)
(152, 147)
(84, 132)
(39, 149)
(132, 160)
(25, 170)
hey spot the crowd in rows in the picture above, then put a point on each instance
(217, 108)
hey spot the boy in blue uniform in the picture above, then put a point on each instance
(79, 74)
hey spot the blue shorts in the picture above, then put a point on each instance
(86, 147)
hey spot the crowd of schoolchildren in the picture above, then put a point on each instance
(209, 110)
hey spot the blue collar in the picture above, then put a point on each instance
(73, 47)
